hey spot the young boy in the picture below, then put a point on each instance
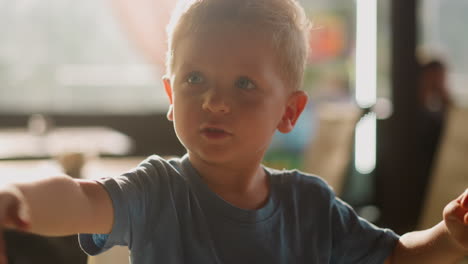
(234, 72)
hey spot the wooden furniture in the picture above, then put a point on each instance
(330, 152)
(450, 174)
(21, 143)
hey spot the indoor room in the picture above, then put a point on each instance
(82, 94)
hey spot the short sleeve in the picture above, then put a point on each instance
(355, 240)
(130, 196)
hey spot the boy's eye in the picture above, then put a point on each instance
(195, 78)
(245, 83)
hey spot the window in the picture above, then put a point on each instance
(442, 37)
(64, 56)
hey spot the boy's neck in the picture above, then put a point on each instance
(243, 185)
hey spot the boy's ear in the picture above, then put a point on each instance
(295, 105)
(168, 88)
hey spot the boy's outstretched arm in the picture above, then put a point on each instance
(447, 242)
(55, 206)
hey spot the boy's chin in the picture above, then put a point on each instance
(213, 156)
(221, 157)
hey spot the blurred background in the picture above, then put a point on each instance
(387, 125)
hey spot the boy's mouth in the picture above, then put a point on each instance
(214, 133)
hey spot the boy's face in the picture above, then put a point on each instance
(228, 96)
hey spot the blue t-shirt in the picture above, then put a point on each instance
(165, 213)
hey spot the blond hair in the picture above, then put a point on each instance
(284, 20)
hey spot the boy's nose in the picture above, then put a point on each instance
(216, 102)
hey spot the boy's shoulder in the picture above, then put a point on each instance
(283, 177)
(160, 165)
(305, 183)
(296, 176)
(296, 181)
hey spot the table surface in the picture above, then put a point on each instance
(20, 143)
(26, 170)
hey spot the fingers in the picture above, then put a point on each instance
(463, 200)
(453, 211)
(14, 212)
(464, 205)
(458, 209)
(17, 217)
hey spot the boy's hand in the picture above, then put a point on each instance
(14, 213)
(456, 220)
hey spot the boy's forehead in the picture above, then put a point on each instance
(231, 30)
(244, 44)
(228, 52)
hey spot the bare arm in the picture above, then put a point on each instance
(57, 206)
(447, 242)
(428, 246)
